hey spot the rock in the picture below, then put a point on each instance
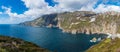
(93, 40)
(99, 39)
(50, 25)
(74, 32)
(71, 22)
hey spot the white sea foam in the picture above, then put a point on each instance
(113, 36)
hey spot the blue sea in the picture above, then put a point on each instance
(52, 39)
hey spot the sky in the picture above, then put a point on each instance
(17, 11)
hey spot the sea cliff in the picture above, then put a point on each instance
(80, 22)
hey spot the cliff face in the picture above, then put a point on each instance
(81, 22)
(88, 22)
(44, 20)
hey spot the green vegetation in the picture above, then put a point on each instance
(108, 22)
(8, 44)
(74, 20)
(107, 45)
(80, 22)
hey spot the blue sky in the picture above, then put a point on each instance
(17, 11)
(18, 6)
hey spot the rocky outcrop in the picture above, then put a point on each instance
(81, 22)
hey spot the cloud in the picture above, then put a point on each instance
(40, 7)
(36, 8)
(12, 17)
(105, 8)
(73, 5)
(35, 3)
(1, 13)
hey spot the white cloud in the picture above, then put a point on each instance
(13, 17)
(40, 7)
(105, 8)
(1, 13)
(73, 5)
(36, 8)
(35, 3)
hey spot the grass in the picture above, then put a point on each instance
(8, 44)
(107, 45)
(100, 22)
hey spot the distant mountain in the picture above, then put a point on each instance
(80, 22)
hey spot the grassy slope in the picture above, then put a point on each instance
(106, 45)
(8, 44)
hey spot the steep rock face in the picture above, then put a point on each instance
(81, 22)
(90, 22)
(44, 20)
